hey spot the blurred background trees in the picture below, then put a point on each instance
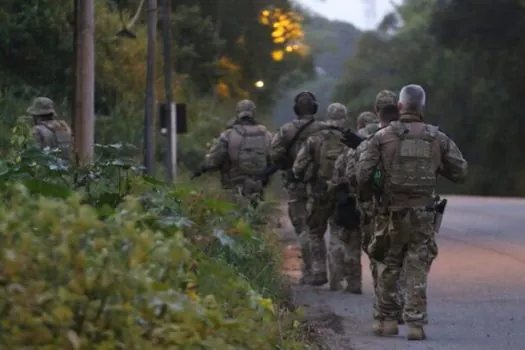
(467, 55)
(223, 51)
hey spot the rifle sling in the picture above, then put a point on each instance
(297, 134)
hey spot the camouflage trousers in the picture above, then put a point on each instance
(344, 257)
(369, 223)
(412, 249)
(297, 202)
(319, 211)
(246, 191)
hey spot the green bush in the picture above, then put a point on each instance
(137, 279)
(100, 258)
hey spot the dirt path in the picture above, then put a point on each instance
(333, 329)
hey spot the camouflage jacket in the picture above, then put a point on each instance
(283, 154)
(219, 155)
(380, 149)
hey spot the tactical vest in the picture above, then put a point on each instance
(248, 150)
(329, 150)
(413, 171)
(56, 134)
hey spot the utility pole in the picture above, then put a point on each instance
(84, 102)
(171, 154)
(149, 112)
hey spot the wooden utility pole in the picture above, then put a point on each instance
(149, 112)
(171, 154)
(84, 101)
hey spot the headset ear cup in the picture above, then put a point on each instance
(316, 108)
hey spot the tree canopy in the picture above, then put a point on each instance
(222, 51)
(467, 54)
(220, 48)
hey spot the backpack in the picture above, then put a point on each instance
(413, 171)
(56, 134)
(330, 149)
(249, 153)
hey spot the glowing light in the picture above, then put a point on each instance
(259, 84)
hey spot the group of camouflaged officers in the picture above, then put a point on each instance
(375, 187)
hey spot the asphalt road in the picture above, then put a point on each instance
(476, 289)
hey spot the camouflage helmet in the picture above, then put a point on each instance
(366, 118)
(383, 98)
(245, 109)
(336, 114)
(42, 106)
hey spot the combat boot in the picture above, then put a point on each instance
(383, 328)
(334, 279)
(353, 287)
(335, 285)
(317, 279)
(305, 278)
(416, 333)
(319, 275)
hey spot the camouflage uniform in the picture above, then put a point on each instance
(314, 165)
(371, 217)
(283, 155)
(344, 250)
(409, 154)
(240, 153)
(48, 131)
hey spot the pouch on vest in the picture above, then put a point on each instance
(412, 170)
(252, 155)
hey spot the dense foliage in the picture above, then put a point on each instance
(467, 55)
(100, 258)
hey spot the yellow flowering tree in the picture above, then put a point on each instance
(287, 32)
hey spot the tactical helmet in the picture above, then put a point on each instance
(304, 100)
(336, 114)
(42, 106)
(366, 118)
(245, 109)
(383, 98)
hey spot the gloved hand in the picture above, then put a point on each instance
(351, 139)
(197, 173)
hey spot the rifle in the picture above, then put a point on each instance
(439, 209)
(351, 139)
(198, 173)
(267, 173)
